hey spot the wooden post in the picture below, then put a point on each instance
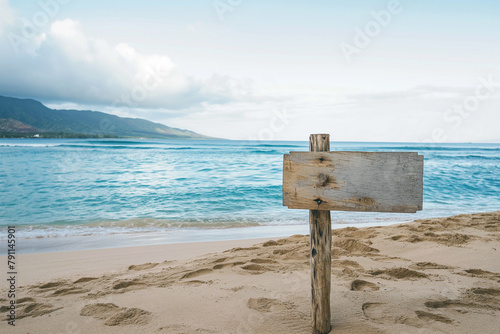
(321, 253)
(320, 181)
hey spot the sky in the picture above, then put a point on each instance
(397, 70)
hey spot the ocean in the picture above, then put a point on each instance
(68, 194)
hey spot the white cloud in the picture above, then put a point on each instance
(422, 114)
(62, 64)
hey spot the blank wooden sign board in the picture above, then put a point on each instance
(353, 181)
(321, 181)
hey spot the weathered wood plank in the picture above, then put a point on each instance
(353, 181)
(320, 227)
(319, 143)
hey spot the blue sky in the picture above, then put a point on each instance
(359, 70)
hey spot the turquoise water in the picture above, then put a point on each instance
(57, 188)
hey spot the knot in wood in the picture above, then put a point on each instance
(366, 201)
(322, 180)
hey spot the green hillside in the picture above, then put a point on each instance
(25, 116)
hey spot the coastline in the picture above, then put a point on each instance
(430, 275)
(164, 237)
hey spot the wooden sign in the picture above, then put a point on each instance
(321, 181)
(353, 181)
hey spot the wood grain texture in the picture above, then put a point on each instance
(320, 227)
(319, 143)
(353, 181)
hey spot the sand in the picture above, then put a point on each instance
(430, 276)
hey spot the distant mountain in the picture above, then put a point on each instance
(22, 117)
(12, 126)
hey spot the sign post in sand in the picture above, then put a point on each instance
(321, 181)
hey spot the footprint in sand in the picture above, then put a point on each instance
(353, 246)
(62, 288)
(482, 273)
(25, 300)
(347, 268)
(229, 264)
(19, 301)
(222, 259)
(263, 261)
(398, 273)
(33, 309)
(196, 273)
(84, 280)
(51, 285)
(142, 266)
(255, 269)
(429, 265)
(361, 285)
(432, 317)
(268, 305)
(197, 282)
(346, 263)
(125, 284)
(448, 303)
(486, 291)
(69, 291)
(457, 305)
(116, 316)
(477, 299)
(447, 239)
(373, 310)
(385, 313)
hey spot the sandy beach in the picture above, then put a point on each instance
(437, 275)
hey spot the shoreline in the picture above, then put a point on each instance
(166, 237)
(153, 238)
(430, 275)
